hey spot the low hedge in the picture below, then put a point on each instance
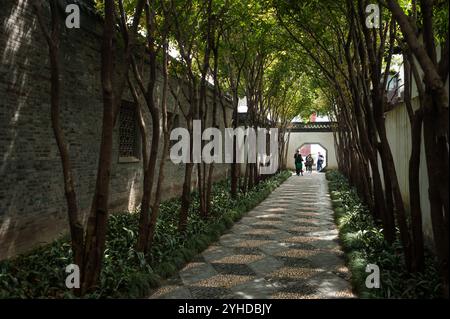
(126, 273)
(364, 244)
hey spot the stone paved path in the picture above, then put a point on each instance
(284, 248)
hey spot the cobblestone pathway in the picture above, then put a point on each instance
(284, 248)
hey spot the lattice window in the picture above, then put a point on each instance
(128, 132)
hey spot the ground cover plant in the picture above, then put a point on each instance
(363, 243)
(126, 272)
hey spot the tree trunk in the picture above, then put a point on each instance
(75, 223)
(418, 262)
(439, 222)
(185, 197)
(416, 122)
(167, 124)
(96, 228)
(150, 171)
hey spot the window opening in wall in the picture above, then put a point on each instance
(129, 140)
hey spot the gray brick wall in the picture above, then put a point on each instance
(32, 203)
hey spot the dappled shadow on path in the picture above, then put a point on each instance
(286, 247)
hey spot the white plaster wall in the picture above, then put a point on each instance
(326, 139)
(398, 131)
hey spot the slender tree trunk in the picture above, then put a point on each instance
(156, 205)
(209, 184)
(185, 197)
(418, 262)
(439, 222)
(75, 223)
(96, 227)
(150, 171)
(234, 165)
(416, 122)
(167, 126)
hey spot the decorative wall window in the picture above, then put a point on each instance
(129, 140)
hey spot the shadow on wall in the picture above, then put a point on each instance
(16, 37)
(32, 201)
(32, 204)
(15, 40)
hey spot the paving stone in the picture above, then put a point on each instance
(233, 269)
(263, 226)
(300, 287)
(266, 265)
(217, 252)
(249, 220)
(285, 248)
(242, 242)
(208, 292)
(195, 272)
(239, 259)
(223, 281)
(274, 247)
(172, 292)
(332, 244)
(326, 260)
(247, 251)
(293, 273)
(230, 241)
(257, 236)
(330, 285)
(258, 288)
(295, 262)
(301, 246)
(240, 228)
(280, 235)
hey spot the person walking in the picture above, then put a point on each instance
(298, 159)
(320, 160)
(309, 162)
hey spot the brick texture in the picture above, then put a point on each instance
(32, 203)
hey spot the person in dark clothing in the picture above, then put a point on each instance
(309, 162)
(320, 160)
(298, 163)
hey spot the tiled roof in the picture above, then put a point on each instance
(313, 127)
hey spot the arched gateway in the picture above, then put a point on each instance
(312, 138)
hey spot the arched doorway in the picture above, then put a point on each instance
(314, 149)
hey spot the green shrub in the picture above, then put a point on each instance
(364, 244)
(337, 203)
(228, 221)
(187, 253)
(166, 269)
(339, 211)
(335, 195)
(125, 272)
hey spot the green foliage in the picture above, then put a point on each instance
(127, 273)
(364, 244)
